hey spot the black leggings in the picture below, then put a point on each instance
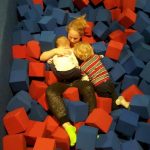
(56, 104)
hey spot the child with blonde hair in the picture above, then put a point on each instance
(93, 67)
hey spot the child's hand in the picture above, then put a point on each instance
(63, 51)
(102, 56)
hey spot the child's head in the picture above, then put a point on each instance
(83, 50)
(62, 41)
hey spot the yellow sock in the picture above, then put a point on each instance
(71, 131)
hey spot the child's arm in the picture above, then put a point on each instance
(75, 61)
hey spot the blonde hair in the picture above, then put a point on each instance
(62, 41)
(83, 50)
(79, 24)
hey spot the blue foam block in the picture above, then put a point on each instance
(60, 31)
(31, 26)
(145, 74)
(60, 16)
(47, 40)
(130, 145)
(19, 64)
(21, 37)
(114, 25)
(141, 17)
(143, 133)
(48, 10)
(38, 9)
(147, 7)
(129, 80)
(37, 112)
(53, 3)
(145, 87)
(101, 30)
(140, 4)
(135, 39)
(25, 2)
(108, 63)
(117, 72)
(21, 99)
(140, 104)
(36, 37)
(22, 9)
(86, 138)
(132, 65)
(99, 48)
(63, 4)
(103, 15)
(77, 111)
(47, 23)
(146, 34)
(108, 141)
(19, 80)
(143, 52)
(72, 16)
(116, 113)
(127, 123)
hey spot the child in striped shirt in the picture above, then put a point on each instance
(93, 67)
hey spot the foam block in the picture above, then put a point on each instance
(47, 23)
(88, 39)
(78, 125)
(108, 63)
(21, 37)
(14, 141)
(37, 112)
(60, 16)
(140, 4)
(21, 99)
(109, 4)
(146, 7)
(16, 121)
(99, 48)
(129, 92)
(86, 137)
(19, 51)
(72, 94)
(114, 49)
(129, 32)
(66, 4)
(22, 9)
(19, 64)
(53, 3)
(39, 2)
(129, 4)
(36, 69)
(71, 16)
(100, 119)
(100, 30)
(89, 28)
(143, 133)
(44, 143)
(62, 138)
(50, 78)
(140, 104)
(144, 87)
(132, 65)
(145, 73)
(77, 111)
(117, 72)
(132, 144)
(146, 34)
(114, 25)
(81, 3)
(37, 88)
(127, 123)
(108, 141)
(96, 2)
(59, 31)
(129, 80)
(33, 49)
(115, 13)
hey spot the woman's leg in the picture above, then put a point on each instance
(87, 93)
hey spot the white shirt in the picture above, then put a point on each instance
(65, 62)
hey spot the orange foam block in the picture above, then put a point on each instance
(50, 78)
(19, 51)
(16, 121)
(37, 88)
(118, 3)
(104, 103)
(115, 13)
(96, 2)
(35, 130)
(39, 2)
(118, 36)
(36, 69)
(72, 94)
(45, 144)
(33, 49)
(129, 92)
(51, 125)
(62, 139)
(128, 4)
(29, 148)
(129, 32)
(99, 118)
(88, 39)
(109, 4)
(89, 28)
(43, 101)
(127, 18)
(81, 3)
(114, 49)
(14, 142)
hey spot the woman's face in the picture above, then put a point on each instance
(74, 37)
